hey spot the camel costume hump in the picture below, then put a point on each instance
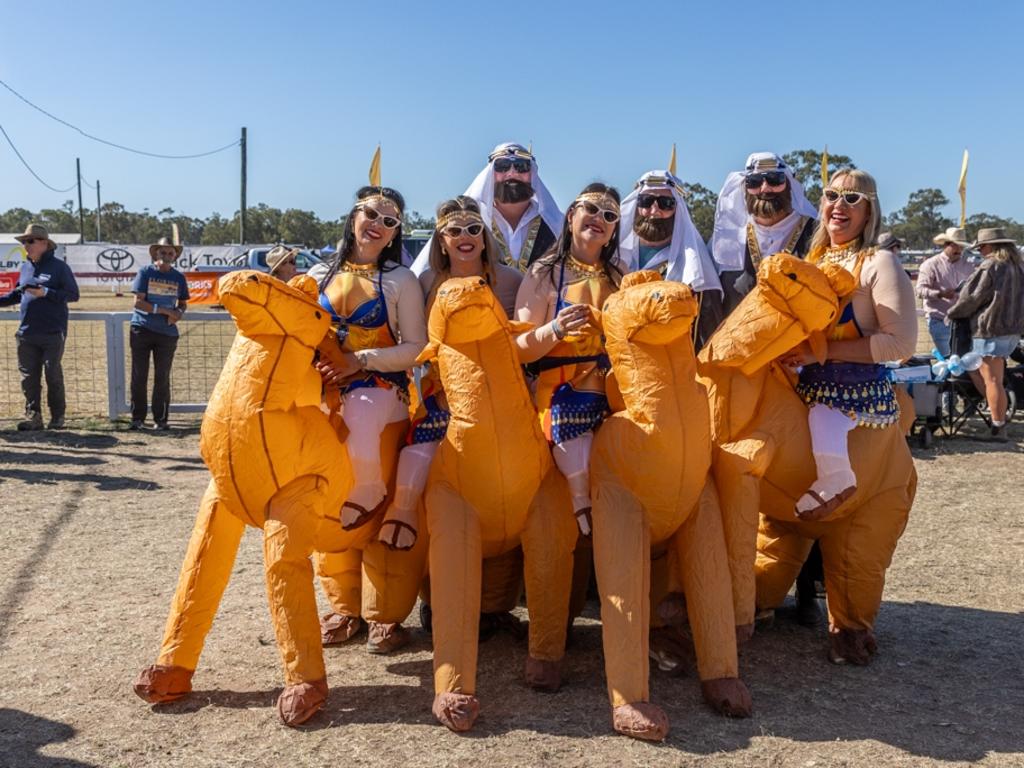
(494, 454)
(665, 424)
(263, 426)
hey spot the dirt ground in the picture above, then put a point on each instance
(97, 523)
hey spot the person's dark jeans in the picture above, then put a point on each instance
(39, 353)
(144, 343)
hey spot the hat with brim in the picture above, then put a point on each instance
(164, 242)
(278, 255)
(36, 232)
(992, 236)
(953, 235)
(887, 241)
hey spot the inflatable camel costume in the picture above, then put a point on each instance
(276, 464)
(763, 460)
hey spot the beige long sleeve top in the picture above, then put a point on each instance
(884, 306)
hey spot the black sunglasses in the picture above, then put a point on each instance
(664, 202)
(29, 241)
(774, 179)
(506, 164)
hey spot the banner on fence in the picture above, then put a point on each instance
(202, 287)
(8, 280)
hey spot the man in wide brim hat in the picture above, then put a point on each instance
(992, 236)
(36, 232)
(952, 235)
(887, 241)
(164, 242)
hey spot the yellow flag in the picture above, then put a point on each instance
(824, 168)
(175, 235)
(375, 168)
(962, 188)
(672, 161)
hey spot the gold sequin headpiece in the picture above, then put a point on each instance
(378, 197)
(602, 199)
(461, 216)
(513, 151)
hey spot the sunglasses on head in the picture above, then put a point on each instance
(664, 202)
(373, 214)
(506, 164)
(773, 179)
(454, 230)
(607, 214)
(850, 196)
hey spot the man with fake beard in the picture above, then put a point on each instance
(515, 205)
(657, 233)
(761, 210)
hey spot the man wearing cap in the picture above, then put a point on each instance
(161, 295)
(761, 210)
(656, 232)
(515, 205)
(45, 286)
(938, 281)
(281, 261)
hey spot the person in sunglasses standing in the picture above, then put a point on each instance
(281, 261)
(762, 210)
(515, 205)
(161, 297)
(45, 287)
(376, 307)
(657, 233)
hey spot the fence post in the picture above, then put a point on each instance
(115, 366)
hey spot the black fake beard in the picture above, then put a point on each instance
(512, 191)
(771, 205)
(654, 230)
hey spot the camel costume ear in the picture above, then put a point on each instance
(307, 285)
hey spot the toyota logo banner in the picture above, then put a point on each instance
(106, 264)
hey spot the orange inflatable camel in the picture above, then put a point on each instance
(763, 460)
(652, 488)
(492, 486)
(276, 464)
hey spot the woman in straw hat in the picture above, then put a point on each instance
(993, 300)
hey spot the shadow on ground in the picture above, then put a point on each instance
(23, 735)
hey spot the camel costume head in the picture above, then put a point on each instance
(262, 305)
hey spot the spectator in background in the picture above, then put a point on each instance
(161, 295)
(281, 261)
(45, 287)
(938, 280)
(887, 241)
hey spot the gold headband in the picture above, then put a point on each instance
(599, 197)
(510, 152)
(471, 217)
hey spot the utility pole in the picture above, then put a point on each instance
(81, 216)
(241, 218)
(99, 238)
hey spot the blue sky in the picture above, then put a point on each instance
(601, 89)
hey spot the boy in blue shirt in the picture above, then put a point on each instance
(161, 295)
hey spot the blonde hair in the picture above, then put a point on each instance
(441, 263)
(856, 181)
(1005, 252)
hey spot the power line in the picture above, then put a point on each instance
(114, 144)
(29, 167)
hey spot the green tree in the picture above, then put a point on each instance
(701, 201)
(413, 220)
(16, 219)
(806, 167)
(978, 221)
(297, 226)
(920, 219)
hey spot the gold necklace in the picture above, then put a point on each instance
(582, 269)
(363, 269)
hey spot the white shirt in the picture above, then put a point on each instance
(516, 239)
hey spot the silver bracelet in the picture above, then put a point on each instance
(556, 326)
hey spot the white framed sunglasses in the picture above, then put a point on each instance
(850, 196)
(454, 230)
(373, 215)
(609, 215)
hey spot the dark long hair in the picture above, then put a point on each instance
(609, 253)
(390, 257)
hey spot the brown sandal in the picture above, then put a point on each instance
(824, 508)
(399, 525)
(365, 515)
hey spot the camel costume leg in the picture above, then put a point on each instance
(856, 552)
(341, 575)
(391, 578)
(782, 549)
(700, 544)
(456, 553)
(738, 468)
(289, 535)
(204, 576)
(549, 539)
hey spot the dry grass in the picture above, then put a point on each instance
(97, 522)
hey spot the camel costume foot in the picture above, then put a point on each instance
(545, 676)
(744, 633)
(298, 703)
(160, 684)
(641, 720)
(852, 646)
(337, 628)
(456, 711)
(727, 696)
(386, 638)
